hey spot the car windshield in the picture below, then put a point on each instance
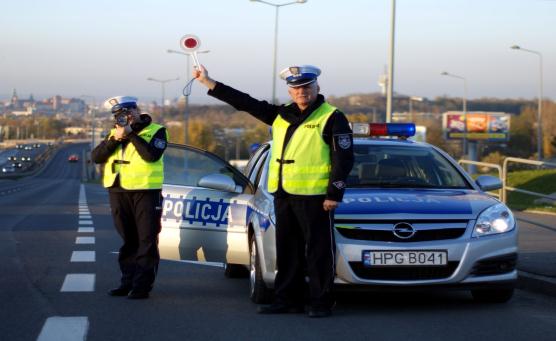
(403, 167)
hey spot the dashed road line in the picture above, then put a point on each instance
(64, 328)
(85, 222)
(85, 230)
(79, 283)
(83, 256)
(85, 240)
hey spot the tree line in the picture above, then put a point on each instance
(230, 133)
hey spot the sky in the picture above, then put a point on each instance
(104, 48)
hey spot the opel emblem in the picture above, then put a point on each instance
(404, 230)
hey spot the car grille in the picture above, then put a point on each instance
(407, 273)
(383, 231)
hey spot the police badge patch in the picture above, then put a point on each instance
(159, 143)
(344, 141)
(339, 184)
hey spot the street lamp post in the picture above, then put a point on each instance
(539, 110)
(186, 99)
(390, 89)
(411, 99)
(277, 7)
(162, 83)
(464, 108)
(92, 112)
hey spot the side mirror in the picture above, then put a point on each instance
(219, 182)
(488, 183)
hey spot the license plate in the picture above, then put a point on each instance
(405, 258)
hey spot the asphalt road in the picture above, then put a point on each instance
(38, 230)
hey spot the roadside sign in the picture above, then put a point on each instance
(481, 125)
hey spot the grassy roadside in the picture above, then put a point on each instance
(540, 181)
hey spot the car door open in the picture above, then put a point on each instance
(205, 208)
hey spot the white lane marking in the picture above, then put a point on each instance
(59, 328)
(83, 256)
(85, 240)
(85, 222)
(84, 212)
(78, 283)
(85, 230)
(84, 216)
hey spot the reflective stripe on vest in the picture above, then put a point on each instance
(135, 173)
(306, 160)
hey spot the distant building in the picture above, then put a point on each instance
(51, 106)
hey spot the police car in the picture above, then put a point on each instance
(411, 217)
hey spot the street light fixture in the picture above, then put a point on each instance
(539, 110)
(162, 83)
(277, 7)
(464, 107)
(186, 99)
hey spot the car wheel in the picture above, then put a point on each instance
(235, 271)
(258, 292)
(492, 295)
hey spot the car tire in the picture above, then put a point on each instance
(258, 292)
(492, 295)
(235, 271)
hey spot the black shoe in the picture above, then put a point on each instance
(319, 312)
(119, 291)
(280, 308)
(138, 294)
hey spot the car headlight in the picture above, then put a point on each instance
(495, 219)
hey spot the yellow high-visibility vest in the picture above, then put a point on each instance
(134, 172)
(305, 162)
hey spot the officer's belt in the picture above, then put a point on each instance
(284, 162)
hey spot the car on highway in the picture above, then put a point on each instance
(25, 158)
(411, 218)
(8, 169)
(12, 158)
(17, 164)
(73, 158)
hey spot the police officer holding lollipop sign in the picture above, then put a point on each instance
(311, 157)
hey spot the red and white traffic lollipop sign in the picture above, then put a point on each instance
(190, 44)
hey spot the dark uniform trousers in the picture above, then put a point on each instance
(304, 247)
(136, 216)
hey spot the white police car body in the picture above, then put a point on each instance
(411, 217)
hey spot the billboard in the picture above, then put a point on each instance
(481, 125)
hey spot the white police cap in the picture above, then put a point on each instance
(122, 101)
(300, 75)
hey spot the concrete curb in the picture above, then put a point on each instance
(537, 284)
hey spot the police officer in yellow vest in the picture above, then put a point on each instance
(311, 157)
(133, 172)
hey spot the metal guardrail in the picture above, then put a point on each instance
(489, 165)
(506, 188)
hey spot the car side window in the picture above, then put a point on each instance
(185, 166)
(261, 170)
(253, 161)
